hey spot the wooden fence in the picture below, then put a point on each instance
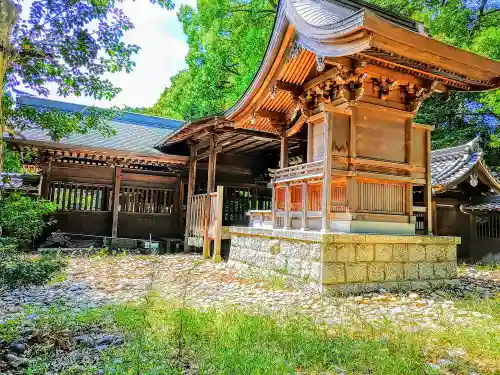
(206, 222)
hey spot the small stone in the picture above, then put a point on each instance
(85, 339)
(17, 347)
(456, 353)
(413, 296)
(15, 361)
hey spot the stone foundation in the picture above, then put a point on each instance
(347, 263)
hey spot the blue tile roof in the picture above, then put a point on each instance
(136, 133)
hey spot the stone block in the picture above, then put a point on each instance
(416, 253)
(346, 252)
(356, 272)
(411, 271)
(394, 271)
(451, 270)
(314, 249)
(426, 271)
(376, 272)
(364, 252)
(450, 252)
(330, 253)
(286, 248)
(255, 243)
(315, 271)
(400, 252)
(383, 252)
(420, 285)
(390, 285)
(434, 253)
(440, 270)
(333, 273)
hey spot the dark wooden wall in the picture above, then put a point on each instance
(96, 219)
(450, 221)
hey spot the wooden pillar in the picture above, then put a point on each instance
(284, 152)
(428, 186)
(44, 193)
(352, 183)
(180, 204)
(218, 230)
(273, 206)
(408, 155)
(287, 221)
(116, 200)
(327, 173)
(304, 225)
(210, 188)
(310, 143)
(190, 193)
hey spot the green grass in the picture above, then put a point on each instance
(490, 306)
(487, 266)
(161, 337)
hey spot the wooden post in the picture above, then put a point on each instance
(116, 200)
(44, 193)
(408, 156)
(327, 173)
(284, 152)
(181, 202)
(304, 206)
(352, 138)
(218, 230)
(287, 220)
(273, 206)
(190, 193)
(210, 188)
(428, 186)
(310, 143)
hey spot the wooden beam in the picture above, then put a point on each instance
(260, 134)
(327, 172)
(323, 77)
(278, 116)
(287, 220)
(206, 154)
(327, 107)
(288, 87)
(190, 193)
(239, 143)
(116, 200)
(284, 152)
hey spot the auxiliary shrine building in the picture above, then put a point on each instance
(319, 169)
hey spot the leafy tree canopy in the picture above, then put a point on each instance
(227, 40)
(70, 45)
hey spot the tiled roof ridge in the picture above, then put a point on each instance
(448, 153)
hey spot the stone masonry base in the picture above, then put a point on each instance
(347, 263)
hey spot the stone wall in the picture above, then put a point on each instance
(347, 262)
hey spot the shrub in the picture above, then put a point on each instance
(23, 218)
(22, 271)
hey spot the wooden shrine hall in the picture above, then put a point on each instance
(335, 95)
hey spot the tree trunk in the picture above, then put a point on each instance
(8, 17)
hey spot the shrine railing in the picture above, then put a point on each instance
(307, 169)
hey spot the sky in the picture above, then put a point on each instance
(163, 48)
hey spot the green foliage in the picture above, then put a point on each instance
(227, 40)
(23, 218)
(21, 271)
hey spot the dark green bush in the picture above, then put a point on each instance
(21, 271)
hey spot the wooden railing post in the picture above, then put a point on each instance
(287, 220)
(190, 193)
(327, 173)
(273, 207)
(218, 230)
(305, 225)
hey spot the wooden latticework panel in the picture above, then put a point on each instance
(80, 197)
(381, 197)
(339, 197)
